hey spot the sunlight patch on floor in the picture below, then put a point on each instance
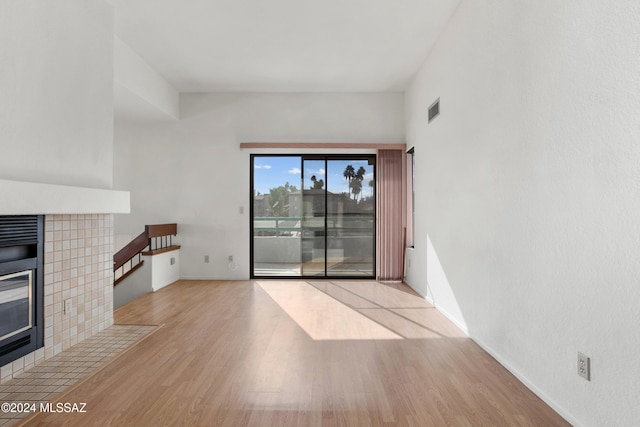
(382, 295)
(321, 316)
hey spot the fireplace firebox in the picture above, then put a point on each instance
(21, 286)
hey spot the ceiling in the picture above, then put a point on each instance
(283, 45)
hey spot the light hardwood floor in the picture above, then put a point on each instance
(315, 353)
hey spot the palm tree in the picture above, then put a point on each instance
(356, 187)
(357, 181)
(349, 174)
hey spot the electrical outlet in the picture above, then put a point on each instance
(230, 258)
(206, 258)
(172, 261)
(67, 306)
(584, 366)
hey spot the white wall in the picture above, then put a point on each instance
(137, 83)
(193, 172)
(529, 193)
(165, 268)
(56, 81)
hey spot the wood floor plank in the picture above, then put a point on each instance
(228, 354)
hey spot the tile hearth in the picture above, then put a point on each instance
(43, 382)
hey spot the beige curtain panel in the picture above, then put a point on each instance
(390, 215)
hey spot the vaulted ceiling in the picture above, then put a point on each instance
(283, 45)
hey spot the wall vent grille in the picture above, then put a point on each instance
(434, 110)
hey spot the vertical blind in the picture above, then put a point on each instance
(390, 213)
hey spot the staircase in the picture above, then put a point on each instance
(155, 239)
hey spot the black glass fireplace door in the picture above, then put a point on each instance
(21, 286)
(15, 303)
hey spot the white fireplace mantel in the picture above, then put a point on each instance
(28, 198)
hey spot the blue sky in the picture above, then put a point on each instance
(270, 172)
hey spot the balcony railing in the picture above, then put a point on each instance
(276, 225)
(297, 226)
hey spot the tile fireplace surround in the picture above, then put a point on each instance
(78, 265)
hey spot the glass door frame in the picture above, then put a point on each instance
(326, 157)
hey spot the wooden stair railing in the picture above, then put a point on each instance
(161, 232)
(157, 238)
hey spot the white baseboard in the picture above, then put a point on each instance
(446, 314)
(211, 278)
(199, 278)
(524, 380)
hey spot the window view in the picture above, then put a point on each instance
(313, 216)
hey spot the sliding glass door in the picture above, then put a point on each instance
(350, 217)
(313, 216)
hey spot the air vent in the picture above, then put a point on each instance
(434, 110)
(18, 230)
